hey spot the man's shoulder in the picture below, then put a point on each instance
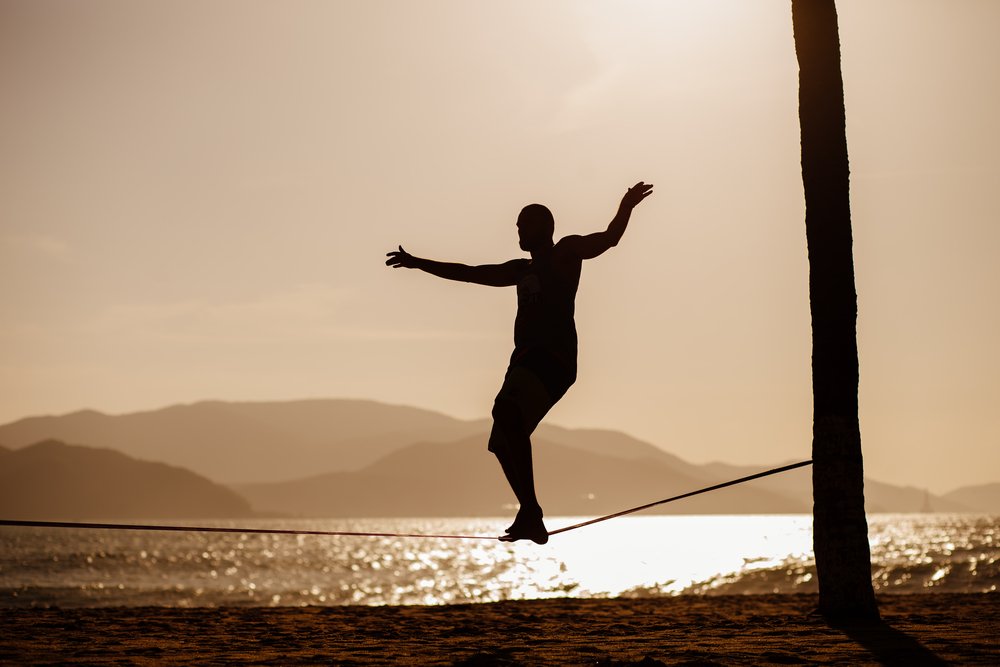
(568, 247)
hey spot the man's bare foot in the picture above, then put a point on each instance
(524, 516)
(529, 529)
(518, 520)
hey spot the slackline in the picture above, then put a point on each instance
(342, 533)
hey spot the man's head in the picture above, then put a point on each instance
(535, 227)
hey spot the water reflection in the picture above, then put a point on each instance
(632, 556)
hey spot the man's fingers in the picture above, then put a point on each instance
(637, 193)
(397, 258)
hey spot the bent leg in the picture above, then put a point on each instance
(522, 402)
(498, 445)
(513, 449)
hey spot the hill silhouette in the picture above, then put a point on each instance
(252, 441)
(983, 497)
(276, 441)
(459, 479)
(879, 496)
(51, 480)
(339, 453)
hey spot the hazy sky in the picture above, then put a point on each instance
(196, 199)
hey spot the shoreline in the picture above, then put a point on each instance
(937, 628)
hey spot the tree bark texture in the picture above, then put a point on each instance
(840, 528)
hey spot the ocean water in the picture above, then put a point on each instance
(630, 557)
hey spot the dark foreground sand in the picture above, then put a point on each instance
(757, 629)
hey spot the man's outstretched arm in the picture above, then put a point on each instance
(592, 245)
(494, 275)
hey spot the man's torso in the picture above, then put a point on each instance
(546, 295)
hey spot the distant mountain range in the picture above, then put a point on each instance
(51, 480)
(361, 458)
(251, 442)
(983, 497)
(461, 478)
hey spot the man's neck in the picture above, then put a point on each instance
(542, 252)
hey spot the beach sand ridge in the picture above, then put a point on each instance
(729, 630)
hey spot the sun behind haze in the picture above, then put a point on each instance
(196, 200)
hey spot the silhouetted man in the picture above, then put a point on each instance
(543, 364)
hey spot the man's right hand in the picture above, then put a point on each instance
(401, 259)
(636, 194)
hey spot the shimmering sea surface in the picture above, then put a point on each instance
(630, 557)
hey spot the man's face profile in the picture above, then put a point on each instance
(534, 227)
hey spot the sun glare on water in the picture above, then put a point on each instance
(639, 554)
(626, 557)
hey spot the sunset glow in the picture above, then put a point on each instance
(195, 204)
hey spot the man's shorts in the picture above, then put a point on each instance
(534, 383)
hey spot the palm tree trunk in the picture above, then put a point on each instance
(840, 529)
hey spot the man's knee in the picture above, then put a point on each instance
(507, 415)
(497, 443)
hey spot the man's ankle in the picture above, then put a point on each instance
(530, 510)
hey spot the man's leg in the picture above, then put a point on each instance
(498, 445)
(515, 454)
(520, 405)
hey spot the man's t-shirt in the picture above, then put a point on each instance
(544, 330)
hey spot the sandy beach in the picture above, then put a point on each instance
(757, 629)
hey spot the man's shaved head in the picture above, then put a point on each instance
(535, 225)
